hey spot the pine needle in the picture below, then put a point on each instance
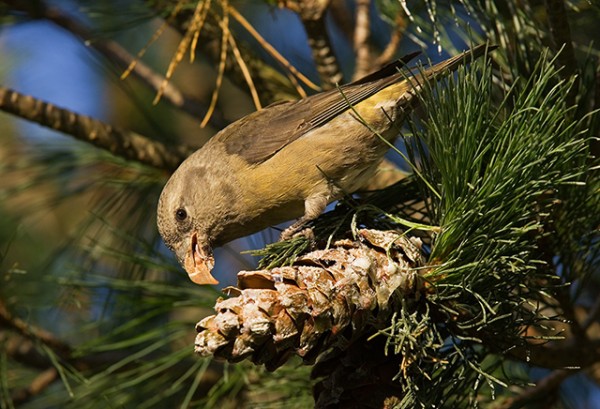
(273, 52)
(199, 23)
(195, 26)
(224, 23)
(246, 72)
(154, 37)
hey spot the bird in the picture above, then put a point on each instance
(288, 161)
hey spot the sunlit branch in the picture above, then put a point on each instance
(312, 14)
(125, 144)
(272, 86)
(117, 55)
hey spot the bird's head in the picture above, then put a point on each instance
(184, 227)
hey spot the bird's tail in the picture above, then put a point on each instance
(451, 64)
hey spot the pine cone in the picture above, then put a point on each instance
(324, 299)
(361, 376)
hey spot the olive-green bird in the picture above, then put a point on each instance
(287, 161)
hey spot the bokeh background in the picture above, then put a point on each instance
(79, 251)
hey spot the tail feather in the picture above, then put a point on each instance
(451, 64)
(387, 70)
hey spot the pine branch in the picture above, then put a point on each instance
(362, 48)
(117, 55)
(41, 350)
(312, 14)
(271, 85)
(400, 26)
(8, 320)
(125, 144)
(545, 389)
(41, 382)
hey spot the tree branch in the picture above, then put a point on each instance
(362, 32)
(9, 321)
(117, 55)
(312, 15)
(22, 346)
(37, 386)
(125, 144)
(270, 83)
(566, 354)
(544, 388)
(401, 23)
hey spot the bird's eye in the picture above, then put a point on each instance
(180, 214)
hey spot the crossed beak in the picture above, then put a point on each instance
(199, 262)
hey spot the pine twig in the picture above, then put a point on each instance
(125, 144)
(401, 23)
(362, 32)
(272, 86)
(23, 340)
(312, 14)
(37, 386)
(559, 355)
(7, 320)
(294, 73)
(542, 390)
(117, 55)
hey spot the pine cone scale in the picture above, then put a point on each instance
(304, 308)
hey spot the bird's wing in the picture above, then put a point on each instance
(260, 135)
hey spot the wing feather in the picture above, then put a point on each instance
(260, 135)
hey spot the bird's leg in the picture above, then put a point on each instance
(313, 207)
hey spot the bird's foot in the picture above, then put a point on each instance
(297, 231)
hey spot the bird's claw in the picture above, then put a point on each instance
(293, 232)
